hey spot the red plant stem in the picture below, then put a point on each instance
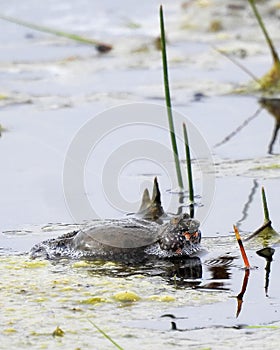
(243, 253)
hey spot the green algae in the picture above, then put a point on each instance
(58, 332)
(263, 327)
(81, 264)
(35, 300)
(34, 264)
(162, 298)
(9, 330)
(93, 301)
(126, 296)
(267, 167)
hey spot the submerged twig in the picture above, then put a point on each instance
(168, 100)
(238, 64)
(189, 171)
(242, 250)
(101, 47)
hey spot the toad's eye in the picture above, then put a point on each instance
(193, 237)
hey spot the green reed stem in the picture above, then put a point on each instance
(168, 100)
(105, 335)
(39, 28)
(265, 208)
(189, 171)
(263, 28)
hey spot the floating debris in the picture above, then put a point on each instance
(100, 47)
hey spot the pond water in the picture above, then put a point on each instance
(84, 133)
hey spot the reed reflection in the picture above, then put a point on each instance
(266, 253)
(272, 105)
(242, 292)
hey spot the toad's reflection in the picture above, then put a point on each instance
(220, 267)
(220, 271)
(185, 272)
(272, 105)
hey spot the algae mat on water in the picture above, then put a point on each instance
(46, 305)
(39, 296)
